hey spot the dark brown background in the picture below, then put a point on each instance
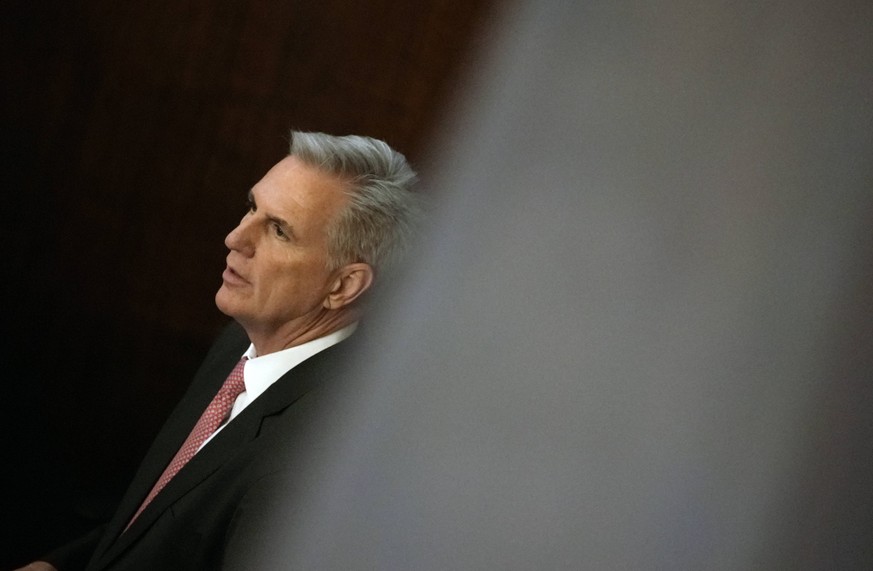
(131, 132)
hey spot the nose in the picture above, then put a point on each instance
(239, 239)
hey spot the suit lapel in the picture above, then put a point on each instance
(244, 428)
(216, 366)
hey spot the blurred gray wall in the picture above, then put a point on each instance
(638, 333)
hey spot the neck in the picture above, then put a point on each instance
(292, 334)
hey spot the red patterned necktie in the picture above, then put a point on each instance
(211, 419)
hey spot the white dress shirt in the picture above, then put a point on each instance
(261, 372)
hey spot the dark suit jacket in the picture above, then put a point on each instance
(212, 502)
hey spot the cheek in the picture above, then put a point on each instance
(292, 278)
(282, 284)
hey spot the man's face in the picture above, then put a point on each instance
(277, 275)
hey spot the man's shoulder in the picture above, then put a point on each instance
(223, 354)
(230, 343)
(232, 336)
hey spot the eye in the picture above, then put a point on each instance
(250, 206)
(277, 229)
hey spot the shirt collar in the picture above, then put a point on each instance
(261, 372)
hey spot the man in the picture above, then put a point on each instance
(322, 225)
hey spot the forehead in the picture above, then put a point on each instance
(301, 192)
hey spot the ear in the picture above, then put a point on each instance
(349, 282)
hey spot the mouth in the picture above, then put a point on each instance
(231, 277)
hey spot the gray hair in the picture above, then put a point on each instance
(377, 225)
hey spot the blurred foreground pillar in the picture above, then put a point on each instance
(638, 335)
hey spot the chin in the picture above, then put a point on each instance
(225, 303)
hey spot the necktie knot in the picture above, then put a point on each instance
(235, 382)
